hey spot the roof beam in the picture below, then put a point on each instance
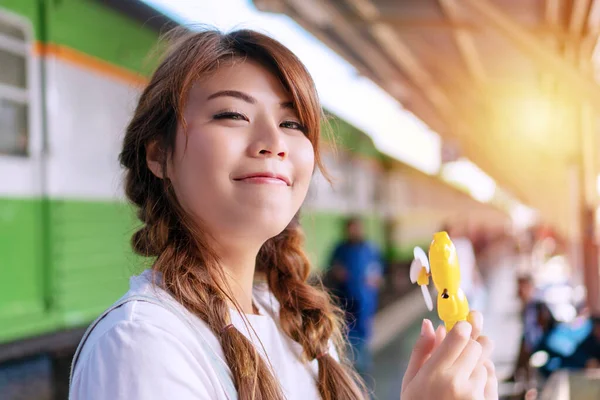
(316, 29)
(388, 74)
(452, 77)
(464, 41)
(541, 54)
(552, 12)
(404, 23)
(577, 21)
(578, 14)
(438, 105)
(403, 56)
(590, 41)
(457, 124)
(552, 16)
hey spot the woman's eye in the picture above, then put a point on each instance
(236, 116)
(293, 125)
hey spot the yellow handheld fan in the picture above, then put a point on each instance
(444, 269)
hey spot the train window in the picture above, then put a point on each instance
(13, 128)
(14, 90)
(12, 31)
(13, 69)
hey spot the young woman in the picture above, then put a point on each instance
(219, 156)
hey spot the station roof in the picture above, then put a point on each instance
(504, 82)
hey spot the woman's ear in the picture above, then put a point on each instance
(155, 159)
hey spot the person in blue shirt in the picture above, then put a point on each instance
(357, 273)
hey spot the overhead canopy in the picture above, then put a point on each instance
(506, 83)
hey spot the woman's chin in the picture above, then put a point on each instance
(270, 225)
(260, 223)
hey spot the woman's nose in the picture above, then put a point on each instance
(269, 141)
(266, 152)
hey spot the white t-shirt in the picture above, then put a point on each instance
(144, 351)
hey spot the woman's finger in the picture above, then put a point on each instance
(469, 359)
(476, 320)
(487, 345)
(440, 335)
(478, 380)
(420, 353)
(452, 346)
(491, 385)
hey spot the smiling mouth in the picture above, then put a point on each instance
(264, 179)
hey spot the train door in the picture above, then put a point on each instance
(22, 221)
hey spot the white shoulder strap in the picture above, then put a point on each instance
(226, 378)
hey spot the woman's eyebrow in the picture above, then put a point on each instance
(233, 93)
(245, 97)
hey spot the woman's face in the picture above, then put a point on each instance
(244, 164)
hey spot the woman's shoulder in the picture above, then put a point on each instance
(147, 306)
(149, 317)
(134, 358)
(146, 317)
(146, 333)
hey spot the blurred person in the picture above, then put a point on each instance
(357, 272)
(587, 354)
(218, 159)
(526, 291)
(591, 345)
(532, 330)
(568, 345)
(547, 324)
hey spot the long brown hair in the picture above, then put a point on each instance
(189, 268)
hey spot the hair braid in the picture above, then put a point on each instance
(307, 314)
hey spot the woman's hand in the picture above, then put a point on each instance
(453, 366)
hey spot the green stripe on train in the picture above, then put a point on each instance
(89, 260)
(21, 279)
(62, 262)
(92, 28)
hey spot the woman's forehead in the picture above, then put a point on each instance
(244, 76)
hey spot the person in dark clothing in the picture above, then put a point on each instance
(532, 331)
(591, 345)
(587, 354)
(356, 270)
(547, 323)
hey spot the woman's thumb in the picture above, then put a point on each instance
(420, 353)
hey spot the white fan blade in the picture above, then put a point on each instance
(427, 297)
(420, 255)
(415, 269)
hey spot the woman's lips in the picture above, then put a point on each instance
(264, 178)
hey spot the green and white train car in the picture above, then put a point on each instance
(70, 71)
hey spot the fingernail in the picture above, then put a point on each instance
(425, 322)
(475, 317)
(463, 328)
